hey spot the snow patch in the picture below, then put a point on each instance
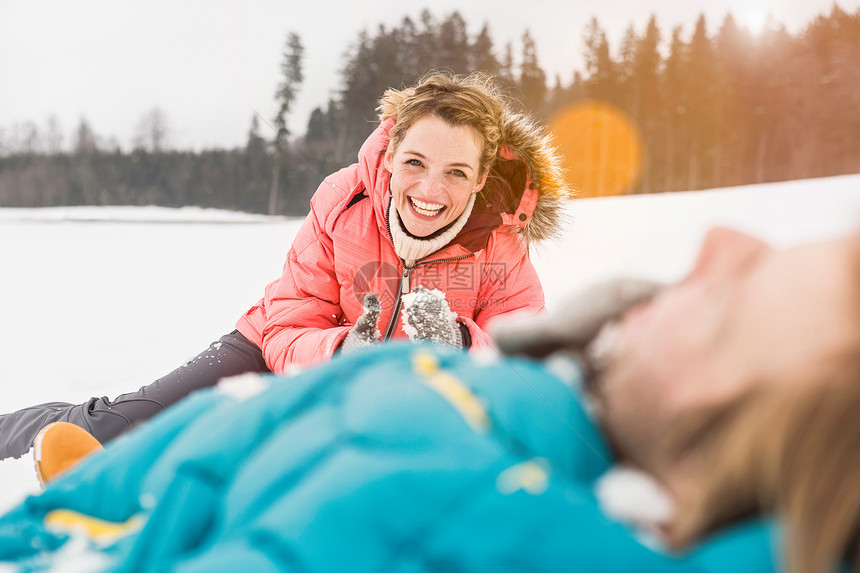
(18, 476)
(485, 357)
(570, 372)
(430, 303)
(635, 498)
(410, 330)
(293, 370)
(132, 214)
(78, 555)
(243, 386)
(567, 369)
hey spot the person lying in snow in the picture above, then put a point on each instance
(448, 192)
(735, 391)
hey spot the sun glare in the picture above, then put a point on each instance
(601, 147)
(754, 19)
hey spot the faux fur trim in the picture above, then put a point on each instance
(532, 144)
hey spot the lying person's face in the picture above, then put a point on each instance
(746, 315)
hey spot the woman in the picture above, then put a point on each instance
(447, 194)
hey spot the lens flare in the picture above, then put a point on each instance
(601, 148)
(755, 18)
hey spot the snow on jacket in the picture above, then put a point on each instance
(344, 250)
(403, 458)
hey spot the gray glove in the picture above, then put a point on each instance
(427, 318)
(575, 325)
(365, 332)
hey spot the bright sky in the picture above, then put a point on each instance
(210, 64)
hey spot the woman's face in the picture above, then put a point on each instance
(747, 315)
(434, 170)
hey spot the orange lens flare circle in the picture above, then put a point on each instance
(601, 148)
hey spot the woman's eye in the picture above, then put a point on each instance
(413, 162)
(458, 173)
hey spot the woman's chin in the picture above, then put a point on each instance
(422, 226)
(421, 231)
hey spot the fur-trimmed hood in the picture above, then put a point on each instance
(529, 161)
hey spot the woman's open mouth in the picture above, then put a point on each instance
(426, 209)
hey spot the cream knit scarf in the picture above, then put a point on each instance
(412, 249)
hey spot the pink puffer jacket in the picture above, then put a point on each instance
(344, 251)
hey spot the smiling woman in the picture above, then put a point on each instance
(435, 174)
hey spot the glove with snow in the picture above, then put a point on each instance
(365, 332)
(427, 318)
(575, 326)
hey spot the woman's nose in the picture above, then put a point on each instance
(726, 250)
(431, 184)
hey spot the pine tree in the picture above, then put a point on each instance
(675, 110)
(255, 142)
(506, 68)
(558, 96)
(411, 52)
(734, 50)
(627, 81)
(578, 89)
(53, 135)
(532, 82)
(428, 40)
(481, 57)
(702, 89)
(646, 70)
(648, 100)
(291, 80)
(85, 139)
(602, 72)
(453, 42)
(833, 44)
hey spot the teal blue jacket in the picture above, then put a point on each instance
(400, 459)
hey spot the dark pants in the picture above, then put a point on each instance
(105, 419)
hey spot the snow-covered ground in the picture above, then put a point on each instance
(99, 301)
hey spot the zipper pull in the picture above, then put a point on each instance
(404, 280)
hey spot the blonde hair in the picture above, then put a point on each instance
(792, 449)
(473, 101)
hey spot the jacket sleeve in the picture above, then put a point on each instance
(303, 307)
(509, 283)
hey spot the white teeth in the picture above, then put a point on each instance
(426, 209)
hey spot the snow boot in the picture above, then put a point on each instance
(59, 447)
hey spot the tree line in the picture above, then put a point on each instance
(717, 108)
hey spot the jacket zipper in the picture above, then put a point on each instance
(404, 289)
(404, 280)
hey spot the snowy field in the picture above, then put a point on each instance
(99, 301)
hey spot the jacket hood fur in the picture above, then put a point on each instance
(532, 147)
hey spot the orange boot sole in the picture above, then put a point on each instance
(60, 446)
